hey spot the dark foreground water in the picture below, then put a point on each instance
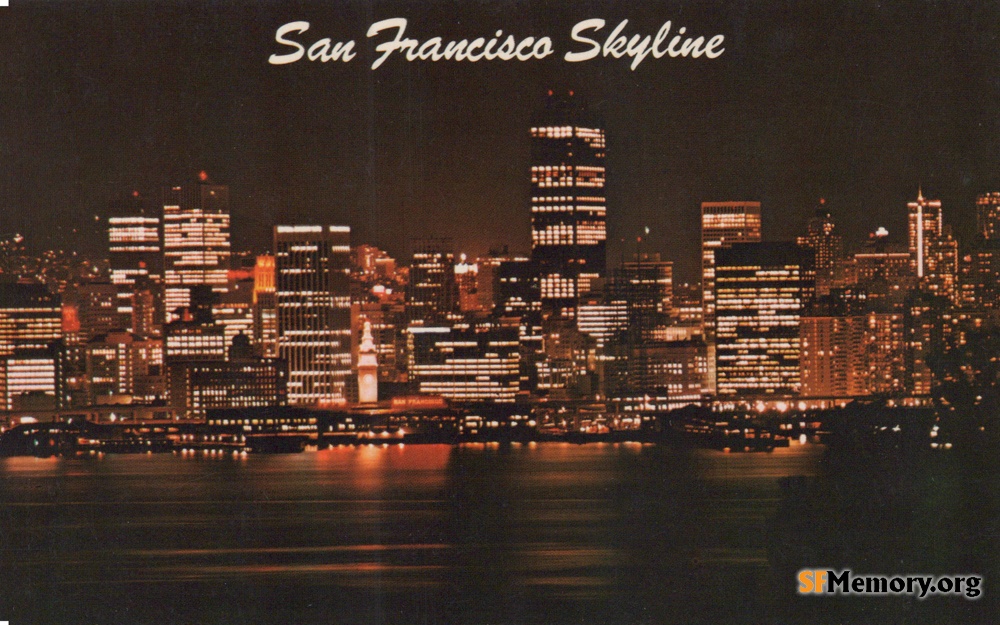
(550, 533)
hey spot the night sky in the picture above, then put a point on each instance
(857, 102)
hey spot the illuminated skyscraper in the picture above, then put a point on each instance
(933, 250)
(762, 291)
(723, 224)
(924, 228)
(135, 254)
(313, 295)
(432, 293)
(988, 216)
(568, 211)
(30, 317)
(196, 247)
(827, 246)
(264, 316)
(30, 327)
(645, 284)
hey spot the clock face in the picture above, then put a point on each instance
(368, 388)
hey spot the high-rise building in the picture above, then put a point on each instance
(933, 250)
(135, 254)
(313, 300)
(516, 295)
(265, 320)
(234, 311)
(30, 317)
(833, 358)
(924, 228)
(827, 246)
(645, 284)
(196, 247)
(988, 216)
(722, 225)
(432, 293)
(762, 291)
(568, 205)
(97, 309)
(30, 379)
(886, 353)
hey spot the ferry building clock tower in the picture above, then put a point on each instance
(367, 368)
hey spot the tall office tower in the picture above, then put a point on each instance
(762, 291)
(97, 309)
(568, 207)
(827, 246)
(923, 321)
(979, 268)
(645, 284)
(722, 225)
(942, 267)
(313, 300)
(432, 293)
(234, 311)
(988, 216)
(924, 228)
(196, 247)
(516, 294)
(135, 254)
(30, 317)
(265, 320)
(30, 328)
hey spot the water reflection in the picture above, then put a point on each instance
(552, 533)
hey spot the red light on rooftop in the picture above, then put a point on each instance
(822, 200)
(135, 194)
(203, 175)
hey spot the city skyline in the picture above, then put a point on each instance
(520, 338)
(836, 102)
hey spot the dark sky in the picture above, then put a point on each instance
(854, 101)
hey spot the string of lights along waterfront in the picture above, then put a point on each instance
(174, 325)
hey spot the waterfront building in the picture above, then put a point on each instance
(469, 361)
(135, 256)
(568, 202)
(762, 291)
(313, 302)
(196, 246)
